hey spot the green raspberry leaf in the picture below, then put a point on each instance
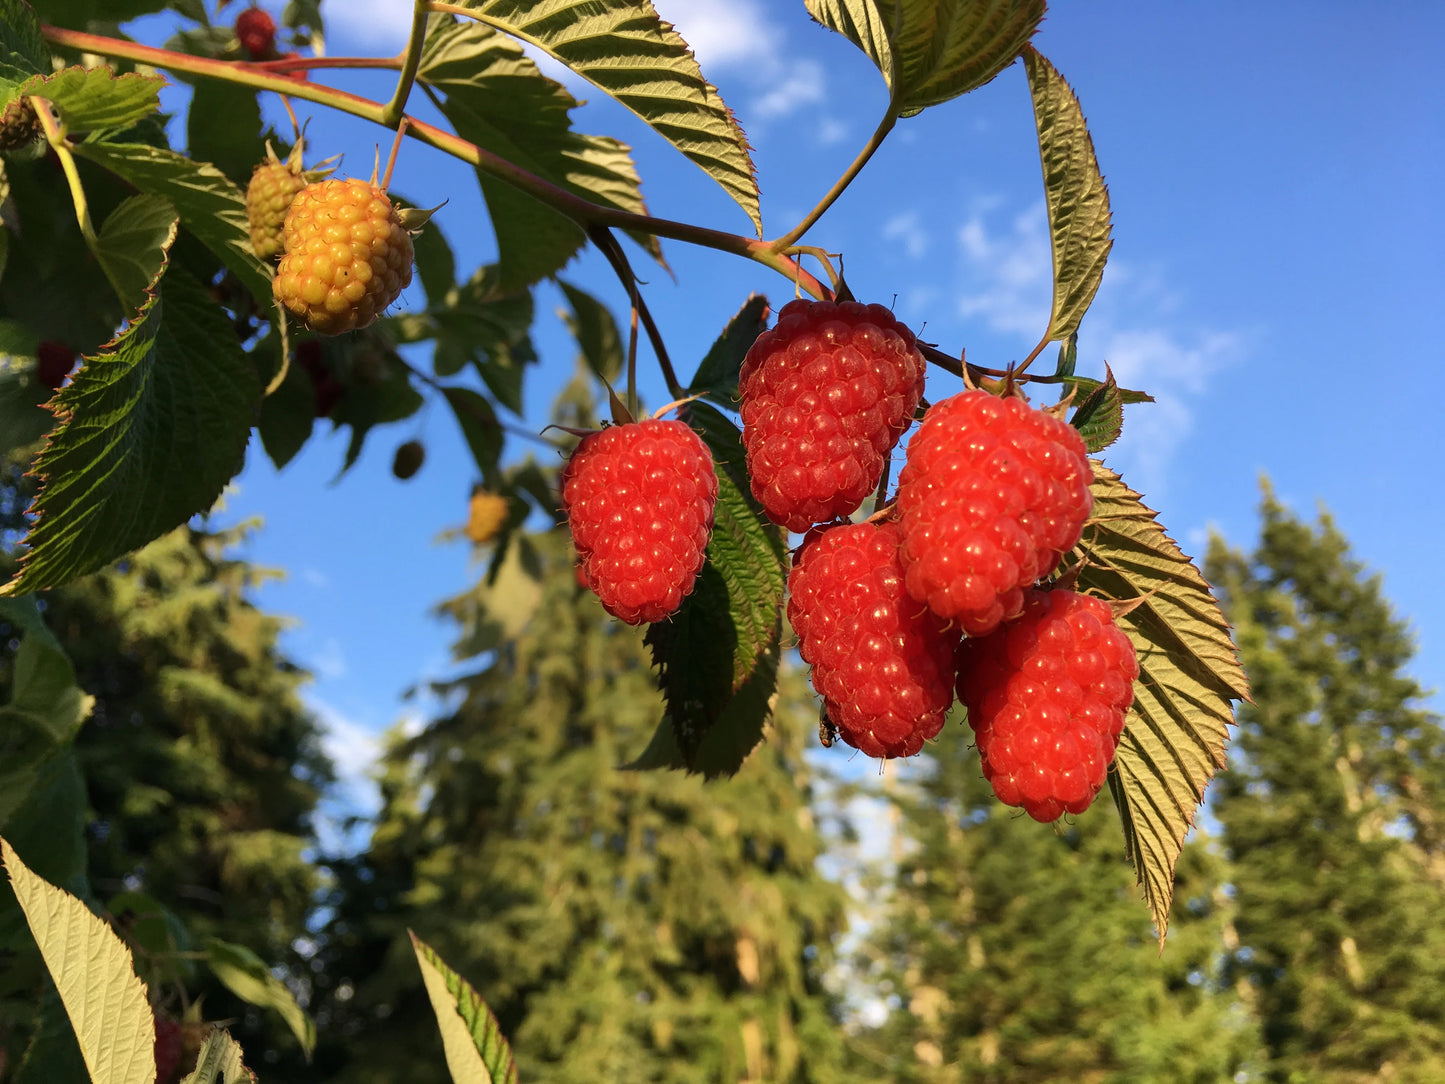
(132, 246)
(1099, 415)
(23, 51)
(718, 655)
(717, 376)
(150, 432)
(595, 330)
(246, 975)
(625, 50)
(1189, 678)
(97, 99)
(1074, 189)
(211, 207)
(932, 50)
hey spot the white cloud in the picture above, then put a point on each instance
(1137, 324)
(379, 27)
(907, 229)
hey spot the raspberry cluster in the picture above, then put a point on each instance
(347, 256)
(1046, 697)
(273, 187)
(639, 500)
(991, 496)
(883, 664)
(825, 396)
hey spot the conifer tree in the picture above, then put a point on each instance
(624, 925)
(1014, 952)
(1332, 814)
(202, 768)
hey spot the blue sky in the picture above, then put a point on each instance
(1278, 267)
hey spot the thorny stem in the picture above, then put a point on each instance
(582, 211)
(395, 149)
(394, 112)
(632, 401)
(1023, 365)
(840, 185)
(609, 247)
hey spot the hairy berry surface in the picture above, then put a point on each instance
(347, 256)
(639, 500)
(882, 663)
(268, 197)
(992, 494)
(1046, 697)
(825, 396)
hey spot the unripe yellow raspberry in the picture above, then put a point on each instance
(347, 256)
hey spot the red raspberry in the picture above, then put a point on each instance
(1046, 697)
(992, 493)
(882, 663)
(825, 396)
(55, 361)
(257, 33)
(640, 499)
(167, 1050)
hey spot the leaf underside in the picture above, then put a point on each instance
(1075, 193)
(97, 99)
(1189, 679)
(476, 1050)
(930, 51)
(92, 969)
(624, 49)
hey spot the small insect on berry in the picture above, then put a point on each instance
(639, 500)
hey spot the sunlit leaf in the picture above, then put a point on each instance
(219, 1062)
(476, 1050)
(1189, 678)
(498, 99)
(1074, 190)
(210, 206)
(622, 47)
(132, 246)
(150, 432)
(95, 99)
(246, 975)
(932, 50)
(717, 375)
(92, 969)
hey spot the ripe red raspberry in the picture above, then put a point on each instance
(257, 33)
(268, 197)
(54, 362)
(825, 396)
(992, 493)
(167, 1050)
(639, 499)
(347, 256)
(882, 663)
(1046, 697)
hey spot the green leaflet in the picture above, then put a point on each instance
(476, 1050)
(623, 48)
(247, 976)
(718, 655)
(595, 330)
(23, 51)
(92, 970)
(97, 99)
(932, 50)
(1189, 677)
(151, 431)
(133, 245)
(1074, 189)
(717, 375)
(497, 99)
(210, 206)
(480, 428)
(219, 1062)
